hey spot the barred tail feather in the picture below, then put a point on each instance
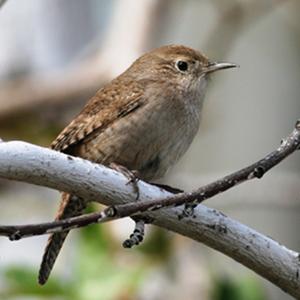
(53, 247)
(70, 206)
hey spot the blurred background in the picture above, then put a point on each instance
(55, 54)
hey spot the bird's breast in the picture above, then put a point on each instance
(150, 139)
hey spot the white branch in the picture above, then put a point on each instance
(29, 163)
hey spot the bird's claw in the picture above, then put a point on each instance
(137, 236)
(131, 175)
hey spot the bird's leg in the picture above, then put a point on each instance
(138, 233)
(134, 177)
(137, 236)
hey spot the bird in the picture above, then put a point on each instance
(145, 119)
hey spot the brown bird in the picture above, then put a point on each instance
(144, 120)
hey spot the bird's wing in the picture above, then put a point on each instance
(110, 103)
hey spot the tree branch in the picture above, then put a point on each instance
(33, 164)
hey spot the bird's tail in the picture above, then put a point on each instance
(70, 206)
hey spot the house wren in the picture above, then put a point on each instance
(145, 120)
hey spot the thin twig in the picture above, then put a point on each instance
(17, 232)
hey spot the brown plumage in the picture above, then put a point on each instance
(145, 119)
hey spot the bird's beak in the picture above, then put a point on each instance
(216, 66)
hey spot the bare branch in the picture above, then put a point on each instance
(25, 162)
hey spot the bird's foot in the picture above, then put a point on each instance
(137, 235)
(131, 175)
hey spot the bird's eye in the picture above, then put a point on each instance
(182, 65)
